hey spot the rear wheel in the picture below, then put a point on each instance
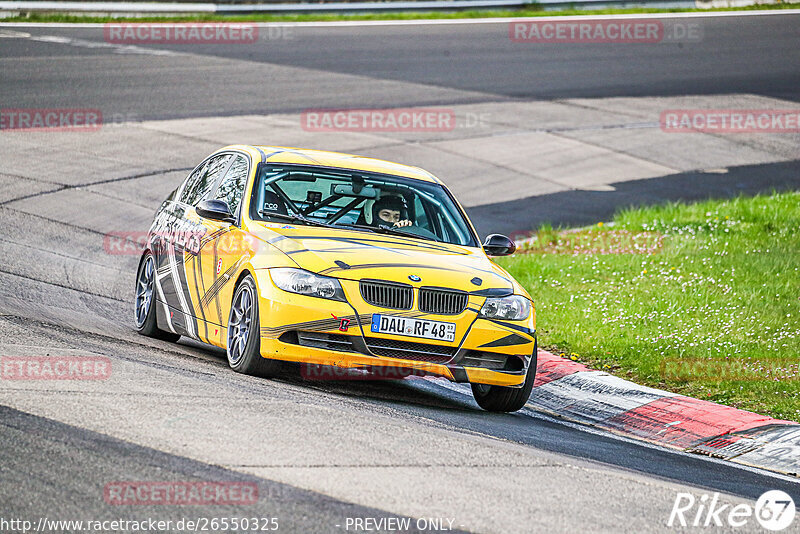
(145, 310)
(506, 399)
(244, 336)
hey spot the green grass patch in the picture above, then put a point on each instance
(532, 11)
(700, 299)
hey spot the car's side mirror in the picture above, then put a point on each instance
(215, 209)
(498, 245)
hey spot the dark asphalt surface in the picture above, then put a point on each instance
(49, 465)
(752, 54)
(58, 472)
(731, 56)
(458, 411)
(450, 64)
(44, 461)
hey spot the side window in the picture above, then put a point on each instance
(232, 186)
(191, 182)
(193, 195)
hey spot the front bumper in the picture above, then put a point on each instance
(331, 333)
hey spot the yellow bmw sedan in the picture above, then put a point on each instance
(327, 259)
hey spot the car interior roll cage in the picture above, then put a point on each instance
(272, 183)
(431, 207)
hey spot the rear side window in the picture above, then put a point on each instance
(192, 180)
(197, 189)
(232, 186)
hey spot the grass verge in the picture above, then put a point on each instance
(533, 11)
(700, 299)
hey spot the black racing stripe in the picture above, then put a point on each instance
(218, 284)
(511, 339)
(289, 151)
(211, 237)
(333, 324)
(216, 279)
(279, 237)
(266, 157)
(195, 267)
(341, 250)
(310, 326)
(368, 241)
(392, 265)
(202, 285)
(211, 292)
(361, 241)
(184, 288)
(325, 324)
(517, 327)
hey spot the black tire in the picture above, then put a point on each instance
(244, 353)
(506, 399)
(144, 313)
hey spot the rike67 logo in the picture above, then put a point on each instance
(774, 511)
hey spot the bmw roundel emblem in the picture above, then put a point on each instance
(414, 278)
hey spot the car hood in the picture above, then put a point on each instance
(356, 255)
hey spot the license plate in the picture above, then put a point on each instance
(407, 326)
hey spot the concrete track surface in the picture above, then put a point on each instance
(544, 133)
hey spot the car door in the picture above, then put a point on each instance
(183, 237)
(169, 284)
(221, 250)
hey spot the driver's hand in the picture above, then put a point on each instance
(403, 223)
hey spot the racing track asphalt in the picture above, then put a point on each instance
(59, 470)
(322, 451)
(475, 62)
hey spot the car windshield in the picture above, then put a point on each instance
(363, 201)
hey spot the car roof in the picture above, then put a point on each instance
(338, 160)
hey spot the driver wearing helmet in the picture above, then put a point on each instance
(390, 210)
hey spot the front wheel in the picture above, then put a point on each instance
(244, 336)
(145, 310)
(506, 399)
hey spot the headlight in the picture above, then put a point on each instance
(513, 308)
(306, 283)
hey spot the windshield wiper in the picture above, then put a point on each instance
(294, 218)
